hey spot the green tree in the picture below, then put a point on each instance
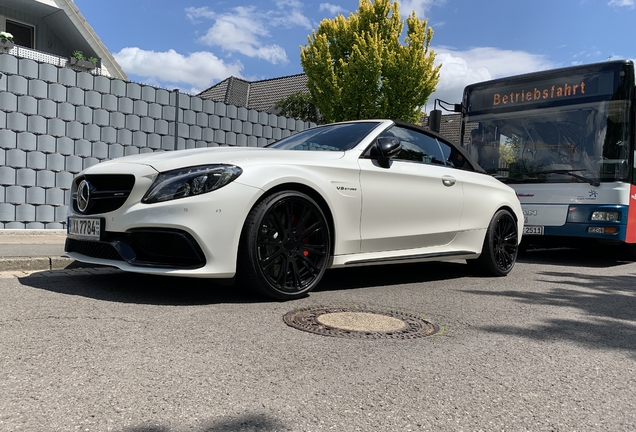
(299, 105)
(357, 67)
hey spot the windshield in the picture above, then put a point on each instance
(580, 143)
(336, 137)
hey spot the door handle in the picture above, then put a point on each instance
(448, 181)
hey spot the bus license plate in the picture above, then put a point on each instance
(532, 230)
(84, 228)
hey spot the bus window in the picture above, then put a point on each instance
(524, 146)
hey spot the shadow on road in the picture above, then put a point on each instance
(593, 257)
(607, 305)
(247, 423)
(107, 284)
(116, 286)
(393, 274)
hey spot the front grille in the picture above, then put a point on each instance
(144, 248)
(93, 249)
(108, 192)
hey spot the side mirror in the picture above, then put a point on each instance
(435, 120)
(387, 148)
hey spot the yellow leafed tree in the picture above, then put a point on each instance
(357, 68)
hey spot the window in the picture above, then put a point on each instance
(23, 35)
(336, 137)
(420, 147)
(453, 157)
(416, 146)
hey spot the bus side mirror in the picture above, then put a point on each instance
(435, 120)
(435, 117)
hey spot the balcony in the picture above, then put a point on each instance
(40, 56)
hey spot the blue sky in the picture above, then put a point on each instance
(194, 44)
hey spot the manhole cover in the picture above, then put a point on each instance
(360, 322)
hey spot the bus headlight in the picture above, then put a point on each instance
(605, 216)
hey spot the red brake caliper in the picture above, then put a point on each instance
(305, 240)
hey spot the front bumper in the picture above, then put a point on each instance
(153, 247)
(575, 221)
(196, 236)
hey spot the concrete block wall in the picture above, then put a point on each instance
(55, 122)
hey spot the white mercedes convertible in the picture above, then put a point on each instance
(276, 218)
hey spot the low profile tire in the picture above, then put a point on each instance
(285, 246)
(499, 252)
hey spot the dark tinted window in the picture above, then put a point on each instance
(416, 146)
(453, 157)
(337, 137)
(22, 34)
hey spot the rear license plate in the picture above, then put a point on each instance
(84, 228)
(532, 230)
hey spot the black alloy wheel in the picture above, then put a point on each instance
(285, 246)
(500, 249)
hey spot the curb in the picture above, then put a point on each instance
(32, 232)
(35, 263)
(38, 261)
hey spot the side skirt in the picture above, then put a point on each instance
(410, 258)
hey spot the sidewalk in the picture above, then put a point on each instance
(33, 250)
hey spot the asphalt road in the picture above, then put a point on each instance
(551, 347)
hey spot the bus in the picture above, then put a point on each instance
(564, 140)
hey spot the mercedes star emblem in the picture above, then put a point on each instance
(83, 195)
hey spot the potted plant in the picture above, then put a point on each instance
(82, 62)
(6, 41)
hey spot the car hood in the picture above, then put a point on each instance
(170, 160)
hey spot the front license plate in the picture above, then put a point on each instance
(532, 230)
(84, 228)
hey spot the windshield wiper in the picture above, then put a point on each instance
(571, 173)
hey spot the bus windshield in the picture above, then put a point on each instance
(585, 142)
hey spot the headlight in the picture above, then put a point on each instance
(189, 182)
(605, 216)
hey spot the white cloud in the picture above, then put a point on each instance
(198, 70)
(246, 29)
(419, 6)
(203, 12)
(621, 3)
(289, 14)
(332, 9)
(242, 31)
(460, 68)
